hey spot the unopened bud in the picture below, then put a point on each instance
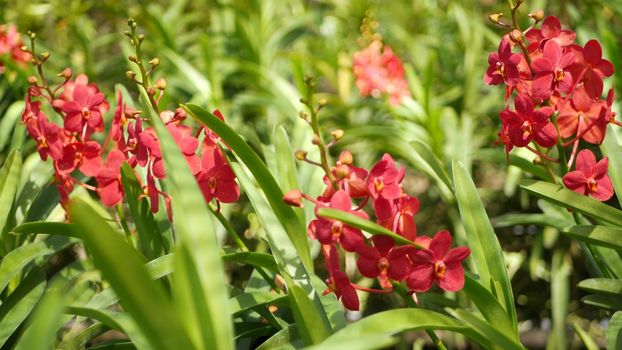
(342, 171)
(133, 58)
(346, 158)
(300, 154)
(32, 35)
(155, 62)
(322, 102)
(293, 198)
(66, 73)
(151, 91)
(24, 48)
(45, 55)
(537, 16)
(32, 80)
(141, 37)
(303, 115)
(161, 84)
(537, 161)
(131, 22)
(315, 139)
(516, 36)
(337, 134)
(130, 75)
(304, 100)
(127, 33)
(495, 18)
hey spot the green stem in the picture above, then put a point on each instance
(126, 229)
(316, 131)
(399, 288)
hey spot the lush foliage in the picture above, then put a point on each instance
(186, 179)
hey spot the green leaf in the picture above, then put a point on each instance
(602, 286)
(251, 258)
(569, 199)
(150, 238)
(245, 301)
(48, 228)
(488, 305)
(432, 160)
(123, 267)
(587, 340)
(363, 224)
(45, 321)
(482, 240)
(78, 341)
(606, 302)
(488, 330)
(9, 179)
(604, 236)
(119, 321)
(285, 339)
(388, 323)
(268, 184)
(20, 303)
(19, 258)
(10, 119)
(612, 149)
(614, 332)
(199, 284)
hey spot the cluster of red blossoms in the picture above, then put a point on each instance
(379, 72)
(11, 46)
(426, 261)
(558, 88)
(73, 148)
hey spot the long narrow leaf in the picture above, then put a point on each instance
(599, 235)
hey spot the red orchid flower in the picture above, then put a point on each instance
(589, 177)
(85, 156)
(338, 282)
(579, 115)
(384, 261)
(109, 185)
(438, 264)
(383, 185)
(216, 179)
(49, 136)
(349, 178)
(552, 71)
(403, 222)
(590, 64)
(503, 66)
(329, 231)
(82, 110)
(526, 124)
(188, 145)
(551, 30)
(135, 144)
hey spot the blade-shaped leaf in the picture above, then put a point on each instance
(614, 331)
(482, 240)
(569, 199)
(599, 235)
(123, 267)
(488, 305)
(488, 330)
(9, 179)
(605, 286)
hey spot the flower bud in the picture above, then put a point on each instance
(161, 84)
(303, 115)
(24, 48)
(537, 16)
(538, 161)
(293, 198)
(32, 80)
(337, 134)
(304, 100)
(131, 22)
(32, 35)
(342, 171)
(315, 140)
(130, 75)
(516, 36)
(154, 62)
(300, 154)
(495, 18)
(66, 73)
(141, 37)
(345, 158)
(133, 58)
(322, 102)
(151, 91)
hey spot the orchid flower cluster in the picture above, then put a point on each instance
(74, 149)
(377, 69)
(420, 264)
(557, 87)
(11, 46)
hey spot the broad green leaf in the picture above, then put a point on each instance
(150, 238)
(20, 303)
(312, 319)
(252, 258)
(569, 199)
(614, 332)
(482, 240)
(45, 321)
(48, 228)
(602, 286)
(246, 301)
(488, 305)
(488, 330)
(363, 224)
(19, 258)
(120, 321)
(9, 179)
(612, 149)
(604, 236)
(388, 323)
(602, 301)
(200, 288)
(123, 267)
(268, 184)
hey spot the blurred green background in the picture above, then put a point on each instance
(249, 59)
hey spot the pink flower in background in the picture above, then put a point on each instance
(10, 44)
(379, 71)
